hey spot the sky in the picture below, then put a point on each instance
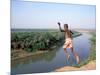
(26, 14)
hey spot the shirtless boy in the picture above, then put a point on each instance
(68, 42)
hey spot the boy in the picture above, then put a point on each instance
(68, 42)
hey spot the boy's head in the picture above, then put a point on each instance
(66, 26)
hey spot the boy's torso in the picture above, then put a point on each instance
(68, 34)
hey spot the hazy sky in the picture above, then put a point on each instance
(46, 15)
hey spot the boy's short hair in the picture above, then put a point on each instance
(66, 25)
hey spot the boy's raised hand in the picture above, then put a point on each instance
(59, 23)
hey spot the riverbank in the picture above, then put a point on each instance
(90, 66)
(22, 54)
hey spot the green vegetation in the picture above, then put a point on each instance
(93, 48)
(33, 41)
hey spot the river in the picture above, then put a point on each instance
(48, 62)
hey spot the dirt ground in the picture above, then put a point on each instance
(90, 66)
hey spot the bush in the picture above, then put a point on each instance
(32, 41)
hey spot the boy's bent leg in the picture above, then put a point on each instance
(75, 55)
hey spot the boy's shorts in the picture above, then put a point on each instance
(68, 43)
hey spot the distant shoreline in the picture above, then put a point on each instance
(43, 30)
(54, 28)
(85, 30)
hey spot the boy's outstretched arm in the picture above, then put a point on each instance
(71, 32)
(60, 27)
